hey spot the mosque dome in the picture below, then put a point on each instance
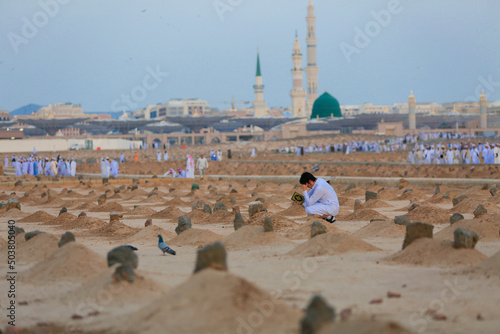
(326, 106)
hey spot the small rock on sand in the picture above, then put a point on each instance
(65, 238)
(123, 255)
(268, 225)
(464, 238)
(455, 218)
(32, 234)
(183, 223)
(211, 256)
(318, 314)
(317, 228)
(415, 231)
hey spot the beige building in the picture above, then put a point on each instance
(4, 116)
(461, 107)
(187, 107)
(494, 108)
(60, 110)
(369, 108)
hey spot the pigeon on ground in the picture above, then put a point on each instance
(131, 247)
(163, 246)
(315, 168)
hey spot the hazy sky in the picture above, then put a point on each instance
(98, 52)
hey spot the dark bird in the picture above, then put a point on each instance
(315, 168)
(163, 246)
(131, 247)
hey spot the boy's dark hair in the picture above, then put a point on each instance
(306, 177)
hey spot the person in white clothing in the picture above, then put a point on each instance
(189, 167)
(202, 165)
(321, 199)
(72, 165)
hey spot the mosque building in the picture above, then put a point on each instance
(305, 103)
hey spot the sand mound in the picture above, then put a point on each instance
(37, 248)
(253, 236)
(197, 216)
(149, 235)
(364, 214)
(386, 194)
(346, 201)
(141, 211)
(273, 208)
(486, 231)
(294, 210)
(362, 326)
(219, 217)
(72, 262)
(90, 205)
(438, 200)
(14, 213)
(194, 237)
(492, 218)
(381, 229)
(280, 223)
(85, 222)
(375, 203)
(429, 214)
(217, 299)
(435, 253)
(304, 231)
(168, 213)
(153, 199)
(114, 229)
(109, 207)
(116, 294)
(38, 217)
(468, 205)
(331, 244)
(354, 192)
(63, 219)
(491, 265)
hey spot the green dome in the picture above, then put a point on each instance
(326, 106)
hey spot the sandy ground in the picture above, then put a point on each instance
(272, 276)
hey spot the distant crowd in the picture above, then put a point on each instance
(36, 165)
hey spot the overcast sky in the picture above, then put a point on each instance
(121, 54)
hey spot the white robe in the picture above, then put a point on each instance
(73, 167)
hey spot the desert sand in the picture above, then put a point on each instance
(358, 266)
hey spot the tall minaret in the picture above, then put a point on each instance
(311, 68)
(298, 94)
(411, 112)
(482, 111)
(259, 105)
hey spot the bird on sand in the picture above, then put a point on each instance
(131, 247)
(315, 168)
(163, 246)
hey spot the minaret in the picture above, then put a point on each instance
(482, 111)
(259, 105)
(298, 94)
(411, 112)
(311, 68)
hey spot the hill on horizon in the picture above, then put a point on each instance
(25, 110)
